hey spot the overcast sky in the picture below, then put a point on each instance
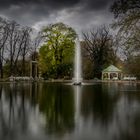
(80, 14)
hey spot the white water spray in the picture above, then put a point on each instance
(77, 63)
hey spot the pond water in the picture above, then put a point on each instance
(57, 111)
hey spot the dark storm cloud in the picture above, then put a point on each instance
(97, 4)
(92, 4)
(76, 13)
(48, 3)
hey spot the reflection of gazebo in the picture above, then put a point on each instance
(111, 73)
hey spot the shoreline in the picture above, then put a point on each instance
(70, 81)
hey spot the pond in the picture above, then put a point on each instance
(58, 111)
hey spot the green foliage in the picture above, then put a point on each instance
(19, 69)
(56, 54)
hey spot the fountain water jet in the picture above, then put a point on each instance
(77, 64)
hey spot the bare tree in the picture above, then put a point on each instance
(98, 46)
(4, 34)
(14, 47)
(127, 22)
(36, 42)
(18, 46)
(25, 45)
(15, 44)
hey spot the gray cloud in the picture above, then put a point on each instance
(96, 4)
(80, 14)
(52, 4)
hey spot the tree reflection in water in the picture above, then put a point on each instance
(99, 101)
(128, 108)
(57, 111)
(21, 100)
(58, 106)
(15, 110)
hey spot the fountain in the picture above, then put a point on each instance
(77, 64)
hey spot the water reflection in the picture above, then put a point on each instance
(42, 111)
(78, 94)
(99, 102)
(128, 113)
(57, 104)
(16, 111)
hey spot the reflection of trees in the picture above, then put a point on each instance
(128, 122)
(34, 93)
(3, 126)
(131, 92)
(14, 113)
(57, 103)
(18, 102)
(132, 129)
(98, 102)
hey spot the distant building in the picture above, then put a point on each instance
(111, 73)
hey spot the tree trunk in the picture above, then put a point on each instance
(1, 69)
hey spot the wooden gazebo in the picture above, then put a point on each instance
(111, 73)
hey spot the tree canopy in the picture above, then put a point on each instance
(56, 54)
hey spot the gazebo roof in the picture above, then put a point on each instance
(111, 68)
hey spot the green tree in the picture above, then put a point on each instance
(56, 54)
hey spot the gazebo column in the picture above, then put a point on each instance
(108, 75)
(117, 75)
(121, 76)
(102, 75)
